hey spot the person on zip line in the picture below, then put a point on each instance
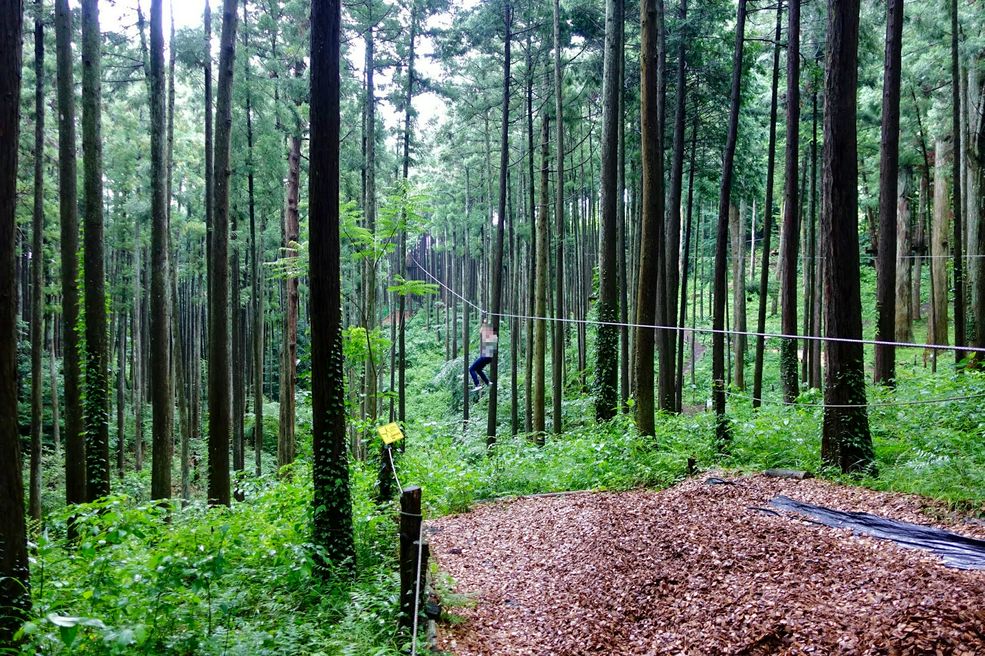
(488, 343)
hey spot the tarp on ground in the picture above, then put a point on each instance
(958, 551)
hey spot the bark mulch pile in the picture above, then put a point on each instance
(701, 569)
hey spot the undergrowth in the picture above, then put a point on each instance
(193, 580)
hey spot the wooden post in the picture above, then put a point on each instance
(410, 533)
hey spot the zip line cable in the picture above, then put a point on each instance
(675, 329)
(875, 404)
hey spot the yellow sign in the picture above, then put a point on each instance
(390, 433)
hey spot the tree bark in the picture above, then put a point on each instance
(75, 460)
(37, 270)
(15, 590)
(764, 274)
(607, 338)
(557, 351)
(220, 416)
(121, 358)
(541, 245)
(256, 247)
(814, 368)
(979, 290)
(652, 225)
(682, 316)
(288, 377)
(791, 210)
(162, 403)
(668, 372)
(497, 271)
(402, 245)
(903, 326)
(330, 470)
(97, 365)
(737, 230)
(533, 267)
(956, 173)
(369, 212)
(937, 329)
(469, 293)
(184, 420)
(53, 383)
(886, 279)
(845, 440)
(622, 259)
(722, 431)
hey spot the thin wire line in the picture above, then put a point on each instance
(877, 404)
(898, 257)
(417, 589)
(675, 329)
(393, 468)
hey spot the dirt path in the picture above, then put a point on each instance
(696, 569)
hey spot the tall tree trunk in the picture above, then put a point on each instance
(533, 266)
(369, 212)
(920, 247)
(682, 316)
(886, 293)
(469, 293)
(937, 329)
(219, 357)
(764, 274)
(56, 431)
(37, 269)
(541, 274)
(136, 358)
(921, 226)
(791, 211)
(288, 376)
(668, 372)
(845, 439)
(160, 332)
(238, 351)
(622, 263)
(956, 173)
(497, 271)
(903, 326)
(121, 359)
(813, 261)
(184, 419)
(75, 460)
(979, 289)
(974, 97)
(651, 235)
(15, 590)
(97, 364)
(738, 238)
(256, 248)
(209, 152)
(557, 350)
(330, 470)
(722, 431)
(514, 305)
(468, 276)
(402, 242)
(607, 338)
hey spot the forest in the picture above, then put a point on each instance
(485, 327)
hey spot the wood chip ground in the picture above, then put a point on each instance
(698, 569)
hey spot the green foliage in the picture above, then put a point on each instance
(145, 579)
(404, 287)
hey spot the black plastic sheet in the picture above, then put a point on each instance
(957, 551)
